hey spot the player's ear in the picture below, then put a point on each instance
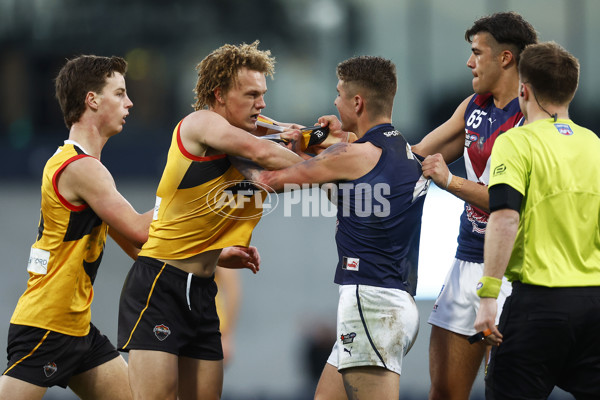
(506, 56)
(92, 100)
(219, 95)
(359, 103)
(524, 91)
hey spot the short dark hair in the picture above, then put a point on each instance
(507, 28)
(83, 74)
(220, 68)
(551, 70)
(375, 75)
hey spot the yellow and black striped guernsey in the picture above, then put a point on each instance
(202, 204)
(64, 259)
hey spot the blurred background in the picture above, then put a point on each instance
(288, 309)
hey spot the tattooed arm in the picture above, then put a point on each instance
(343, 161)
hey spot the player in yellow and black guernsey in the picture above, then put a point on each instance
(51, 339)
(167, 313)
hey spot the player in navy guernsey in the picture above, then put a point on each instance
(496, 43)
(380, 196)
(378, 245)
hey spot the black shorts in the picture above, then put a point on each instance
(46, 358)
(166, 309)
(550, 338)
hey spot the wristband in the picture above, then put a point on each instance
(488, 286)
(448, 180)
(455, 184)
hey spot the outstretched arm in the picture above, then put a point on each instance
(447, 139)
(343, 161)
(206, 129)
(441, 147)
(474, 193)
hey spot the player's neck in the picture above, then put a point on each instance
(366, 124)
(506, 89)
(88, 137)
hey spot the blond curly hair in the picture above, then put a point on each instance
(220, 68)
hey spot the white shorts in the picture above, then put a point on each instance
(375, 326)
(456, 306)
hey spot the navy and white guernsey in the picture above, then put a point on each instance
(483, 123)
(379, 217)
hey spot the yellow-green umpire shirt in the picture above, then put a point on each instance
(556, 167)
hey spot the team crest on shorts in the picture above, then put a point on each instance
(348, 338)
(350, 264)
(161, 332)
(49, 369)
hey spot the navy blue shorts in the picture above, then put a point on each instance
(550, 338)
(46, 358)
(166, 309)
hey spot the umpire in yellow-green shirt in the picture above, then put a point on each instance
(543, 234)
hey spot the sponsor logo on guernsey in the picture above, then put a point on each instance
(391, 133)
(564, 129)
(350, 263)
(470, 137)
(156, 207)
(49, 369)
(347, 338)
(162, 332)
(499, 170)
(38, 261)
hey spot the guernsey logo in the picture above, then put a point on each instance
(350, 263)
(499, 170)
(470, 138)
(161, 332)
(564, 129)
(348, 338)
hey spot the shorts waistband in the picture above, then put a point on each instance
(174, 271)
(569, 290)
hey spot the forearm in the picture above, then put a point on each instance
(276, 157)
(499, 241)
(127, 246)
(469, 191)
(449, 149)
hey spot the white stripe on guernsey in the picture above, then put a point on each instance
(187, 290)
(471, 175)
(74, 143)
(469, 167)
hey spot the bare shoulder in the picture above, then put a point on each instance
(198, 121)
(86, 169)
(81, 177)
(350, 150)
